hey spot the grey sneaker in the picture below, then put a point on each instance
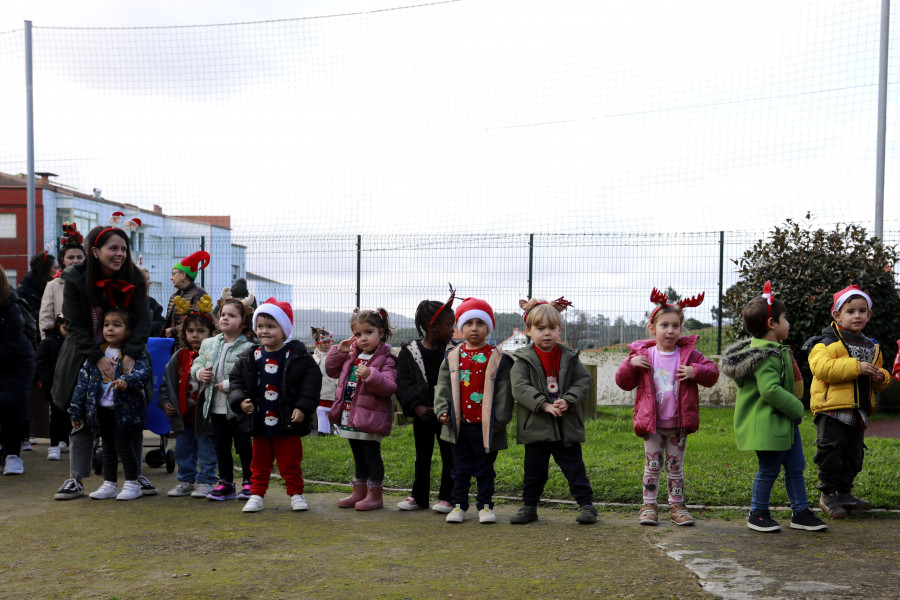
(587, 515)
(830, 503)
(851, 502)
(201, 490)
(525, 514)
(184, 488)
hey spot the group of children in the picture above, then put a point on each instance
(241, 382)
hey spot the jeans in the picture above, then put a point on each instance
(770, 463)
(189, 449)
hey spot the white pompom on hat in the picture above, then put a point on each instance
(280, 311)
(473, 308)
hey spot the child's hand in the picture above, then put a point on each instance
(297, 416)
(426, 413)
(640, 362)
(550, 408)
(247, 406)
(444, 419)
(221, 387)
(345, 346)
(362, 372)
(869, 369)
(685, 372)
(169, 410)
(879, 376)
(120, 385)
(561, 404)
(205, 374)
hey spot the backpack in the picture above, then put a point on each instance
(31, 326)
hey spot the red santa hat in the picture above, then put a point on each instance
(842, 296)
(280, 311)
(473, 308)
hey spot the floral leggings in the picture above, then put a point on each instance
(672, 442)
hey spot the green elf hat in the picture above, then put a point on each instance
(193, 264)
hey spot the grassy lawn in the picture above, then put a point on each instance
(716, 473)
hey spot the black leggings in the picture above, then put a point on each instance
(117, 447)
(11, 418)
(367, 460)
(225, 433)
(60, 425)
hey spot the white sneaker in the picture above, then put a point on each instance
(108, 490)
(442, 506)
(457, 515)
(53, 453)
(14, 465)
(184, 488)
(486, 515)
(26, 446)
(64, 447)
(131, 490)
(408, 504)
(298, 502)
(255, 504)
(201, 490)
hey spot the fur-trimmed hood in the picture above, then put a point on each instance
(741, 358)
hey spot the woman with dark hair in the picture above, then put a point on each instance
(42, 268)
(71, 252)
(107, 278)
(16, 375)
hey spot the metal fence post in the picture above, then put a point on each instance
(29, 133)
(721, 277)
(530, 262)
(358, 267)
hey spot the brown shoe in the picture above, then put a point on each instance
(648, 515)
(851, 502)
(831, 504)
(678, 514)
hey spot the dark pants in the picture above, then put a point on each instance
(225, 433)
(839, 454)
(537, 466)
(117, 447)
(470, 460)
(369, 466)
(424, 433)
(771, 463)
(60, 425)
(11, 416)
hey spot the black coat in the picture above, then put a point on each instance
(158, 319)
(45, 362)
(32, 290)
(16, 355)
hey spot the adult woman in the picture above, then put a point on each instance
(42, 268)
(108, 277)
(16, 375)
(71, 252)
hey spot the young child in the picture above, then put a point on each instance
(116, 408)
(324, 339)
(367, 377)
(767, 412)
(45, 360)
(211, 369)
(666, 370)
(179, 398)
(276, 386)
(846, 368)
(418, 365)
(549, 384)
(473, 403)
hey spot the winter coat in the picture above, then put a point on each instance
(412, 383)
(192, 293)
(16, 354)
(300, 383)
(687, 393)
(32, 290)
(372, 408)
(208, 356)
(168, 394)
(130, 404)
(157, 320)
(496, 405)
(836, 374)
(45, 363)
(51, 304)
(766, 408)
(80, 345)
(528, 382)
(329, 384)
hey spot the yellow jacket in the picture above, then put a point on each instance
(835, 383)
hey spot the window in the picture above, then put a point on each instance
(235, 272)
(7, 226)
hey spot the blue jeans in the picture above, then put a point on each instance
(190, 449)
(770, 463)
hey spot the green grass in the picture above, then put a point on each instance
(716, 472)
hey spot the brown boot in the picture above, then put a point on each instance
(831, 504)
(649, 514)
(358, 493)
(678, 514)
(373, 499)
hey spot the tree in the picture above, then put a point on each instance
(806, 266)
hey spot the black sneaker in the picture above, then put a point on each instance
(587, 515)
(805, 519)
(761, 520)
(70, 489)
(147, 488)
(526, 514)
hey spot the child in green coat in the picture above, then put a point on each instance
(767, 412)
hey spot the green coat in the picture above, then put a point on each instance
(766, 409)
(529, 390)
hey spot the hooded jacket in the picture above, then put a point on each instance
(372, 408)
(766, 408)
(412, 385)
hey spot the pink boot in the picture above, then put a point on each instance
(358, 493)
(373, 499)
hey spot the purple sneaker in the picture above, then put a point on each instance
(224, 491)
(245, 491)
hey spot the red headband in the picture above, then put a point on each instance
(447, 304)
(658, 297)
(770, 297)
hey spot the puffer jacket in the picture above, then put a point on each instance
(529, 389)
(208, 356)
(836, 374)
(130, 404)
(412, 384)
(16, 355)
(372, 409)
(766, 409)
(32, 290)
(168, 394)
(629, 377)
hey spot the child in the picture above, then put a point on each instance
(324, 339)
(767, 413)
(367, 377)
(666, 370)
(276, 385)
(117, 408)
(549, 384)
(45, 359)
(474, 405)
(418, 365)
(846, 368)
(178, 397)
(211, 369)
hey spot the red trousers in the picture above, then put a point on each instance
(288, 451)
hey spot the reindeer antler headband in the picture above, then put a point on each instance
(447, 304)
(658, 297)
(203, 307)
(559, 304)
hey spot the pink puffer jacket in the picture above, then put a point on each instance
(372, 408)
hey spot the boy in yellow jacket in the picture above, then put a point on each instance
(846, 368)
